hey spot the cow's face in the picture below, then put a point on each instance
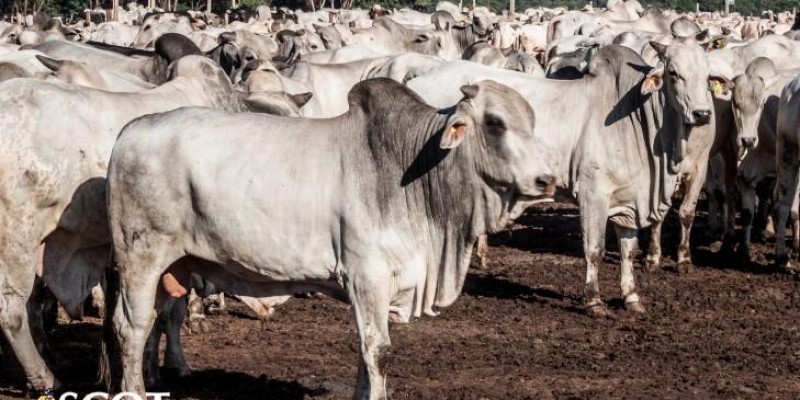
(499, 125)
(330, 37)
(684, 69)
(748, 103)
(439, 43)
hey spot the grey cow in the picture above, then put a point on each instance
(383, 203)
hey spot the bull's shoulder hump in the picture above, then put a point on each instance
(380, 94)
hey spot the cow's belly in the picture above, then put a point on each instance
(274, 240)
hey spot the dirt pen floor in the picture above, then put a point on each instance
(728, 330)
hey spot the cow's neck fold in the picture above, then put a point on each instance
(440, 193)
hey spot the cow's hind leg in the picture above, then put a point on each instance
(369, 294)
(140, 272)
(653, 259)
(16, 286)
(627, 249)
(748, 196)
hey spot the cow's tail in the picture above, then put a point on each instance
(110, 364)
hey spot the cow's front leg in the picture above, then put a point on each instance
(627, 249)
(653, 259)
(368, 289)
(748, 196)
(594, 215)
(761, 222)
(731, 194)
(686, 214)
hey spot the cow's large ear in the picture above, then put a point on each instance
(51, 63)
(226, 37)
(654, 80)
(720, 87)
(660, 48)
(454, 133)
(470, 91)
(300, 99)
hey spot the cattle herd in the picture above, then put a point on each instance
(364, 154)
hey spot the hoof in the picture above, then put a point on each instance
(46, 394)
(635, 307)
(651, 265)
(214, 310)
(478, 263)
(176, 372)
(791, 269)
(152, 379)
(782, 261)
(598, 311)
(744, 253)
(685, 267)
(198, 326)
(728, 248)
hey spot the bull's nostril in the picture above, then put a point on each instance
(545, 182)
(701, 115)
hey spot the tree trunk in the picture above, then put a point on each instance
(208, 6)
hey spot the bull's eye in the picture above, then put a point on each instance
(495, 124)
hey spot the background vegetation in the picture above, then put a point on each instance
(76, 7)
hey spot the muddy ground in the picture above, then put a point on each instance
(728, 330)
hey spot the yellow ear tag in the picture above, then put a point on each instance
(717, 87)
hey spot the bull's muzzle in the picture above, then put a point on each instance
(701, 117)
(749, 142)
